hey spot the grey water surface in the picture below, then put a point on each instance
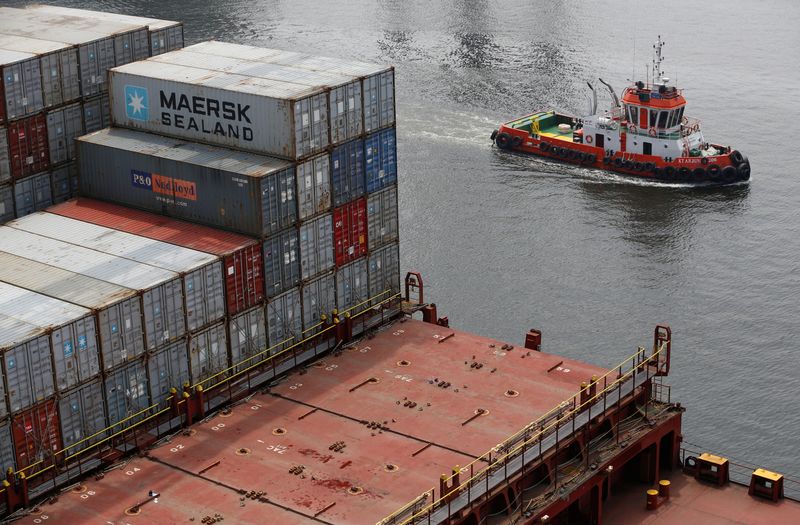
(507, 243)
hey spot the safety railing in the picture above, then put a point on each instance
(131, 428)
(689, 125)
(529, 440)
(739, 471)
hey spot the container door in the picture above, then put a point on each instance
(278, 202)
(7, 453)
(313, 186)
(163, 314)
(319, 297)
(284, 320)
(75, 353)
(208, 354)
(65, 183)
(70, 75)
(29, 149)
(63, 127)
(121, 334)
(33, 194)
(14, 90)
(247, 333)
(82, 413)
(88, 60)
(34, 98)
(371, 103)
(51, 79)
(352, 290)
(127, 394)
(387, 98)
(5, 161)
(168, 368)
(384, 273)
(205, 296)
(244, 279)
(6, 207)
(281, 262)
(37, 436)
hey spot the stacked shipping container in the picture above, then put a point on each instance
(54, 88)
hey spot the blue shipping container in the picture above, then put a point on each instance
(380, 158)
(347, 168)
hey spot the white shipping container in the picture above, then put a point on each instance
(165, 35)
(384, 273)
(208, 354)
(377, 89)
(251, 114)
(19, 339)
(117, 309)
(316, 246)
(352, 287)
(64, 125)
(201, 273)
(160, 290)
(314, 186)
(32, 194)
(6, 202)
(65, 182)
(22, 83)
(247, 334)
(72, 332)
(127, 394)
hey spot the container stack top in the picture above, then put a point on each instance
(73, 30)
(29, 45)
(152, 23)
(37, 309)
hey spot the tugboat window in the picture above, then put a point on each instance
(662, 119)
(653, 117)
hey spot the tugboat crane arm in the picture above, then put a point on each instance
(611, 90)
(593, 109)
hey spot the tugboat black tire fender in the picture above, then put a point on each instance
(516, 141)
(684, 173)
(618, 162)
(744, 170)
(606, 160)
(503, 140)
(650, 166)
(637, 166)
(544, 146)
(713, 170)
(699, 174)
(669, 172)
(494, 134)
(736, 157)
(728, 174)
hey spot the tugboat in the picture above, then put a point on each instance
(645, 135)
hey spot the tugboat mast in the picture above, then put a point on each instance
(658, 74)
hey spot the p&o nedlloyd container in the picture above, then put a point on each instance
(201, 273)
(161, 300)
(71, 347)
(219, 187)
(253, 114)
(377, 82)
(165, 35)
(117, 310)
(241, 256)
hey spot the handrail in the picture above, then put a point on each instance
(120, 424)
(545, 430)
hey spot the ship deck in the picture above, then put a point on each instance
(349, 439)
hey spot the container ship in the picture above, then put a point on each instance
(206, 322)
(644, 135)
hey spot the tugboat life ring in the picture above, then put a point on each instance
(652, 132)
(589, 139)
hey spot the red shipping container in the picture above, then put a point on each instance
(350, 231)
(28, 146)
(37, 435)
(244, 270)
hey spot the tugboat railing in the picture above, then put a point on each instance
(689, 125)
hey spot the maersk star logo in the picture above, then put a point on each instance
(136, 103)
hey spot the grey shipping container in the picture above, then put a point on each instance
(347, 172)
(102, 44)
(127, 394)
(377, 89)
(384, 273)
(319, 298)
(247, 335)
(314, 186)
(82, 413)
(284, 320)
(96, 113)
(352, 287)
(22, 83)
(20, 339)
(165, 35)
(58, 66)
(117, 309)
(208, 354)
(281, 262)
(344, 91)
(32, 194)
(251, 114)
(316, 246)
(64, 125)
(65, 182)
(238, 191)
(6, 203)
(382, 228)
(201, 273)
(167, 368)
(159, 290)
(5, 164)
(7, 454)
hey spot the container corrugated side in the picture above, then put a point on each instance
(347, 172)
(380, 159)
(7, 458)
(22, 83)
(168, 367)
(64, 125)
(316, 246)
(117, 309)
(242, 258)
(58, 65)
(16, 336)
(319, 298)
(165, 35)
(6, 203)
(313, 187)
(28, 371)
(5, 157)
(28, 146)
(250, 194)
(65, 182)
(32, 194)
(82, 413)
(350, 231)
(281, 262)
(251, 114)
(384, 273)
(247, 336)
(37, 436)
(72, 333)
(160, 290)
(201, 273)
(208, 353)
(285, 319)
(127, 392)
(352, 287)
(96, 113)
(382, 218)
(377, 90)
